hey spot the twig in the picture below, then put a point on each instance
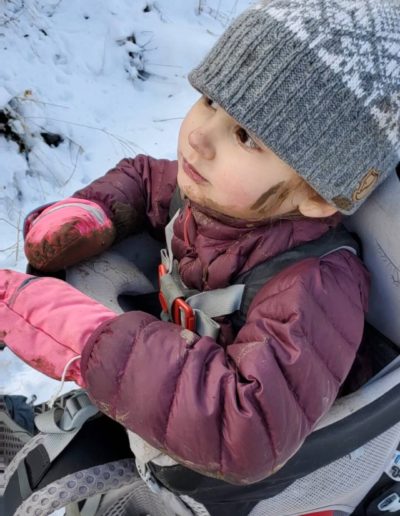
(234, 8)
(168, 119)
(8, 222)
(144, 45)
(8, 248)
(57, 180)
(120, 139)
(35, 101)
(218, 6)
(74, 167)
(4, 21)
(166, 65)
(18, 232)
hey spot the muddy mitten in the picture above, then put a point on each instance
(66, 233)
(47, 323)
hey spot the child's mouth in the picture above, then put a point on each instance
(192, 172)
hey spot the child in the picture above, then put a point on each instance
(298, 121)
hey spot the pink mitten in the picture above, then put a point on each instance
(46, 322)
(66, 233)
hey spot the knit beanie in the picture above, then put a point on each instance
(318, 82)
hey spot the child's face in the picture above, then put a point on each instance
(223, 168)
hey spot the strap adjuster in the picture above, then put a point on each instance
(183, 314)
(180, 312)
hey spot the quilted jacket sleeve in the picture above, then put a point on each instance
(135, 193)
(240, 413)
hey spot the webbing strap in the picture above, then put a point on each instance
(177, 202)
(173, 503)
(54, 443)
(205, 326)
(206, 305)
(214, 303)
(220, 301)
(60, 425)
(23, 480)
(167, 257)
(100, 441)
(236, 299)
(91, 506)
(58, 428)
(173, 287)
(254, 279)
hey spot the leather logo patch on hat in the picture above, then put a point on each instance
(342, 203)
(366, 185)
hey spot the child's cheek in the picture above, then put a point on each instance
(234, 191)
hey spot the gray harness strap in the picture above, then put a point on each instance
(176, 203)
(334, 240)
(235, 299)
(58, 428)
(205, 305)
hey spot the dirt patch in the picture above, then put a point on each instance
(45, 367)
(52, 139)
(6, 130)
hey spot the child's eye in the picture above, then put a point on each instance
(246, 139)
(210, 103)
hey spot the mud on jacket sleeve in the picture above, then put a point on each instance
(236, 414)
(135, 193)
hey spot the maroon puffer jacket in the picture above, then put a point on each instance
(239, 408)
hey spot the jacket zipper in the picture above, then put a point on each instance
(185, 226)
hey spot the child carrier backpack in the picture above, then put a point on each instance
(348, 465)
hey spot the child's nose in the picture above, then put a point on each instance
(201, 143)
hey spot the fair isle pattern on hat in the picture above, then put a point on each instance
(318, 81)
(370, 70)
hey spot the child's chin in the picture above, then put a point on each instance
(188, 188)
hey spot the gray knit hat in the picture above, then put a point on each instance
(318, 81)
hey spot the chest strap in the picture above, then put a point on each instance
(195, 310)
(190, 308)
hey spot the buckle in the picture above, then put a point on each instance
(181, 312)
(78, 409)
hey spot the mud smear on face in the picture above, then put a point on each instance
(263, 209)
(261, 202)
(268, 204)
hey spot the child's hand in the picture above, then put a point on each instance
(66, 233)
(46, 322)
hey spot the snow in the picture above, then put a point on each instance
(109, 77)
(5, 97)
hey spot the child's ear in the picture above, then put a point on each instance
(316, 207)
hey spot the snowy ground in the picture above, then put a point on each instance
(82, 85)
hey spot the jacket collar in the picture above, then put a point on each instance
(212, 249)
